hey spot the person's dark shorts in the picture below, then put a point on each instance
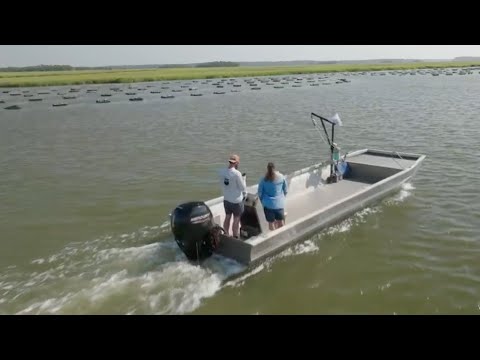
(274, 214)
(231, 208)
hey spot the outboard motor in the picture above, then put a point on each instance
(195, 232)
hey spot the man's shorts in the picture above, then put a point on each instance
(231, 208)
(274, 214)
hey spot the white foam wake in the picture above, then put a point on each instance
(357, 218)
(114, 274)
(123, 275)
(303, 248)
(405, 191)
(133, 276)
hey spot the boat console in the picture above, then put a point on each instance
(250, 222)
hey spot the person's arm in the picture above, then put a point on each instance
(260, 190)
(241, 184)
(285, 186)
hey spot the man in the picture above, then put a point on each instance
(234, 190)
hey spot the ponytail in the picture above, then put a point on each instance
(270, 175)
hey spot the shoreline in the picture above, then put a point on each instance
(125, 76)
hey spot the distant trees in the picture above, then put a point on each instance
(52, 68)
(218, 64)
(201, 65)
(72, 68)
(173, 66)
(38, 68)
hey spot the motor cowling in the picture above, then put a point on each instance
(194, 230)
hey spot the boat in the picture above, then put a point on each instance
(318, 196)
(13, 107)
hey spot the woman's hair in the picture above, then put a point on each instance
(270, 175)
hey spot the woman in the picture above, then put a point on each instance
(272, 190)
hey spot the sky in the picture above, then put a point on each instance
(103, 55)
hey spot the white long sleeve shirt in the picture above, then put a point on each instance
(233, 185)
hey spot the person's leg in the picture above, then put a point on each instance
(228, 216)
(270, 217)
(226, 224)
(237, 213)
(235, 226)
(279, 218)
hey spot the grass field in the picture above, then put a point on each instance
(40, 78)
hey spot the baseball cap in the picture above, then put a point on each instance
(234, 159)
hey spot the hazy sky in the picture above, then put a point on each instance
(98, 55)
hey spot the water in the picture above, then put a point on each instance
(86, 189)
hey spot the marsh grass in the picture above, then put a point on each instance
(80, 77)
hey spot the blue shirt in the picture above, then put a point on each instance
(272, 193)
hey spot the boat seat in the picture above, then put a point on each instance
(250, 199)
(250, 224)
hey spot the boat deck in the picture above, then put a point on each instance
(323, 196)
(384, 161)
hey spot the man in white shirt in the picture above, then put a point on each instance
(234, 190)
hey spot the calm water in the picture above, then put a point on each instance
(86, 189)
